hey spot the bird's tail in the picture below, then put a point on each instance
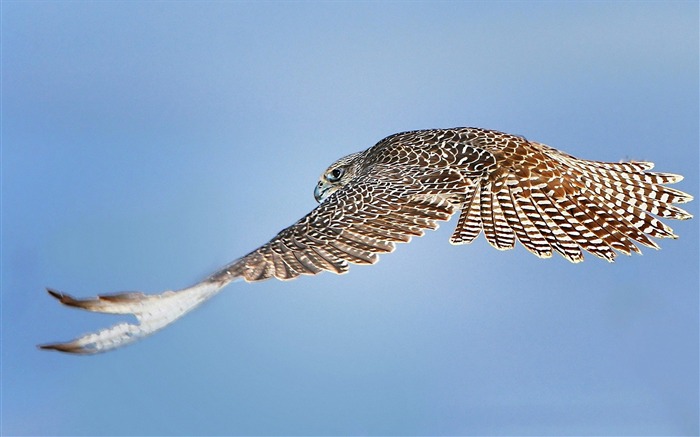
(153, 312)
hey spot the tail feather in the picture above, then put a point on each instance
(655, 199)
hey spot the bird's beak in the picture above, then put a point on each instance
(320, 191)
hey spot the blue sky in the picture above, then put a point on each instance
(146, 144)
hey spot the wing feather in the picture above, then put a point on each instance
(354, 225)
(505, 185)
(573, 203)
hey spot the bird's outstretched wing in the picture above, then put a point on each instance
(505, 186)
(551, 201)
(354, 225)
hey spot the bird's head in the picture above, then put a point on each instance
(336, 176)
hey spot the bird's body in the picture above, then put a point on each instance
(508, 187)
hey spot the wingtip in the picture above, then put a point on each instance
(153, 312)
(68, 300)
(69, 348)
(55, 293)
(64, 298)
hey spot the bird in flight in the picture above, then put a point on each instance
(503, 185)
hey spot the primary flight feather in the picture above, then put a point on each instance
(505, 186)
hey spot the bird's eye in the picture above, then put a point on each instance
(335, 174)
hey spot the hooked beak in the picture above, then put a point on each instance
(320, 191)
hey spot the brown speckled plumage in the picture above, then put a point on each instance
(508, 187)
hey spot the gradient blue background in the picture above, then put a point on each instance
(146, 144)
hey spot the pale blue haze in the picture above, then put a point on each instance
(144, 144)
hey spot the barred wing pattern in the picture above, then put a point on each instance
(505, 186)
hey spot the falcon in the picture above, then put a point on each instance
(503, 185)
